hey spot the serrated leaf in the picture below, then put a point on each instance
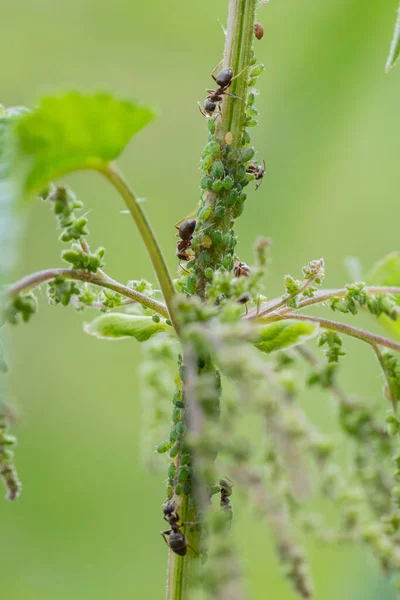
(117, 326)
(281, 335)
(395, 45)
(75, 131)
(386, 272)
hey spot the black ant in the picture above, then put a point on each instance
(214, 98)
(257, 170)
(185, 233)
(240, 269)
(177, 541)
(225, 503)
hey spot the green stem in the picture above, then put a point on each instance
(178, 566)
(318, 298)
(360, 334)
(112, 173)
(237, 55)
(35, 279)
(390, 385)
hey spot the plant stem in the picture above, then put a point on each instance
(318, 298)
(35, 279)
(217, 205)
(112, 173)
(391, 389)
(237, 55)
(355, 332)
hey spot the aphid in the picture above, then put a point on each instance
(258, 31)
(240, 269)
(185, 233)
(214, 99)
(257, 170)
(229, 138)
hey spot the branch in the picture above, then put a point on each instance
(112, 173)
(318, 298)
(355, 332)
(35, 279)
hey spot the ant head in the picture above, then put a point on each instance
(209, 106)
(224, 77)
(168, 508)
(241, 269)
(187, 228)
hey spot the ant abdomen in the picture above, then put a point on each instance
(224, 77)
(186, 229)
(178, 543)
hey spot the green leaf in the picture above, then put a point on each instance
(9, 226)
(76, 131)
(277, 336)
(395, 45)
(386, 272)
(116, 326)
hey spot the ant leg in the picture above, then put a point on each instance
(202, 110)
(183, 268)
(233, 96)
(165, 533)
(185, 218)
(215, 68)
(238, 75)
(192, 549)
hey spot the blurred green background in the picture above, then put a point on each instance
(87, 523)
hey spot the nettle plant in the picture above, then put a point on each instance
(217, 351)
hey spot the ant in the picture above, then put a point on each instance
(257, 170)
(241, 269)
(214, 98)
(226, 491)
(185, 233)
(177, 541)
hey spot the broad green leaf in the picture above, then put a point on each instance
(395, 45)
(283, 334)
(9, 225)
(116, 326)
(387, 272)
(75, 131)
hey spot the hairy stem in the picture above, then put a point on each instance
(318, 298)
(112, 173)
(218, 206)
(35, 279)
(360, 334)
(237, 54)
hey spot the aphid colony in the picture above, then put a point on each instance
(212, 103)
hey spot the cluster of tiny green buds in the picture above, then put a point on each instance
(64, 204)
(292, 288)
(142, 286)
(392, 423)
(391, 365)
(7, 469)
(334, 343)
(357, 296)
(87, 261)
(21, 305)
(61, 290)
